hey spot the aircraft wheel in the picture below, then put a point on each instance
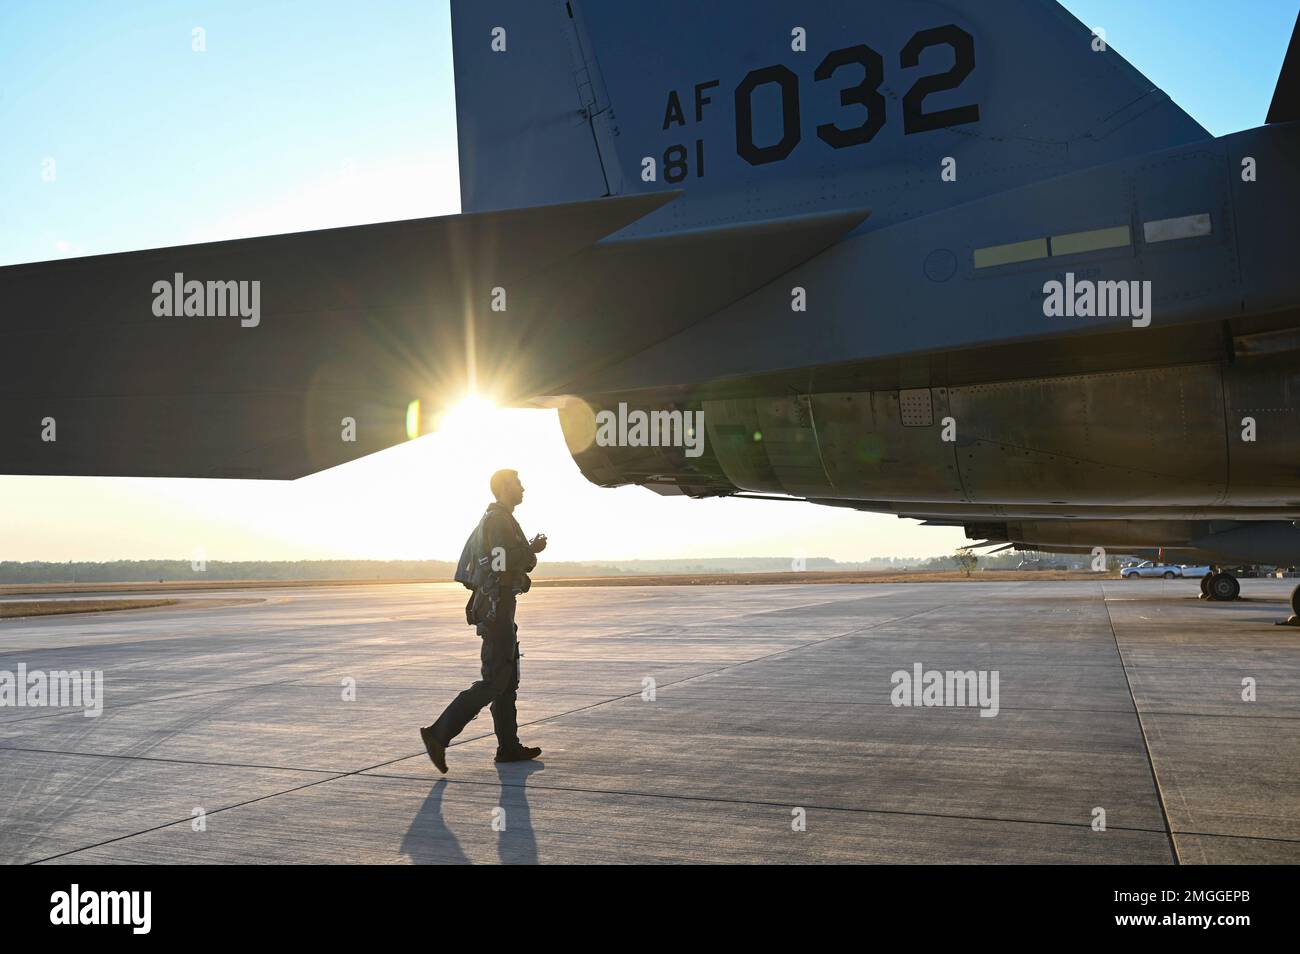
(1223, 587)
(1205, 587)
(1295, 601)
(1169, 574)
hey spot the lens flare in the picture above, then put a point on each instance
(472, 413)
(413, 420)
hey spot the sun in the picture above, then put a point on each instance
(470, 415)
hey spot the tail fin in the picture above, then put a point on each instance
(525, 106)
(762, 108)
(1286, 97)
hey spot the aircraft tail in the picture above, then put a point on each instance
(527, 106)
(762, 108)
(1286, 97)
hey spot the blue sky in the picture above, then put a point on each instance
(305, 115)
(1217, 60)
(308, 114)
(156, 144)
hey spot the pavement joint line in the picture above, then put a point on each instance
(67, 711)
(1146, 743)
(801, 606)
(832, 808)
(181, 821)
(330, 778)
(1220, 715)
(371, 768)
(817, 702)
(757, 802)
(371, 687)
(1217, 834)
(334, 775)
(676, 682)
(159, 758)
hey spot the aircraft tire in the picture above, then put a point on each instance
(1223, 587)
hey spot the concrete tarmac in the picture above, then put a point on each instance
(679, 724)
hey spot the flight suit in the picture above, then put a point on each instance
(501, 536)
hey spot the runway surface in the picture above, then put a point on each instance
(679, 724)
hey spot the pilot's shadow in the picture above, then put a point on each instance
(428, 840)
(517, 844)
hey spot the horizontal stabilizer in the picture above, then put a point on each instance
(280, 356)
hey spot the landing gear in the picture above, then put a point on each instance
(1222, 587)
(1205, 587)
(1295, 608)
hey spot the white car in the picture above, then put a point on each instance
(1147, 568)
(1194, 572)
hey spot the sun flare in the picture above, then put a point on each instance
(471, 414)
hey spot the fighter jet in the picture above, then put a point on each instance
(959, 262)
